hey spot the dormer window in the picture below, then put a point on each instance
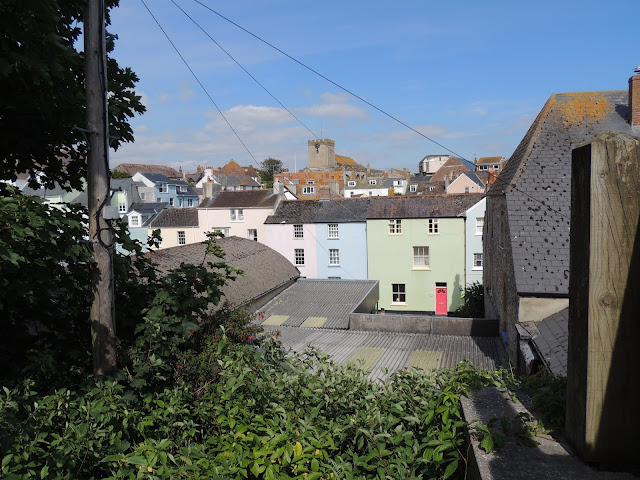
(351, 183)
(413, 188)
(372, 182)
(311, 181)
(182, 188)
(308, 190)
(134, 221)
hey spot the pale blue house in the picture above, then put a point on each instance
(326, 239)
(474, 226)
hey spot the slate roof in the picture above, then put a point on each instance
(537, 184)
(176, 217)
(148, 208)
(422, 206)
(260, 198)
(120, 183)
(133, 168)
(551, 338)
(160, 178)
(474, 178)
(264, 268)
(343, 210)
(363, 184)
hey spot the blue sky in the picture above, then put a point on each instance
(470, 75)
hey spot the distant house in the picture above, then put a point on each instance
(490, 164)
(431, 164)
(266, 272)
(325, 239)
(450, 170)
(416, 250)
(123, 194)
(140, 216)
(177, 226)
(239, 213)
(155, 187)
(370, 187)
(57, 195)
(133, 168)
(230, 182)
(526, 240)
(466, 182)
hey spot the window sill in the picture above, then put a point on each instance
(425, 269)
(333, 238)
(477, 269)
(395, 234)
(398, 303)
(334, 265)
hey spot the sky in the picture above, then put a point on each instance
(471, 76)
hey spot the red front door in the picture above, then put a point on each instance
(441, 300)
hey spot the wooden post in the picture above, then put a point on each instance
(102, 310)
(603, 376)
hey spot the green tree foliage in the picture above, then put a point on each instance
(119, 174)
(42, 91)
(268, 168)
(473, 302)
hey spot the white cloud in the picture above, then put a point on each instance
(340, 97)
(408, 135)
(164, 97)
(185, 92)
(247, 118)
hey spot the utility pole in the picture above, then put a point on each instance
(103, 330)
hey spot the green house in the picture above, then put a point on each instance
(416, 250)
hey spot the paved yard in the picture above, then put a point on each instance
(394, 351)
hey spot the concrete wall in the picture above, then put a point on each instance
(473, 242)
(477, 327)
(352, 246)
(280, 238)
(390, 260)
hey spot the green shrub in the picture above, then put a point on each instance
(473, 306)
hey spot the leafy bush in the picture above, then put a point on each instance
(473, 302)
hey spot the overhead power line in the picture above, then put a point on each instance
(330, 81)
(200, 83)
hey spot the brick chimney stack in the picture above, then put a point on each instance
(634, 99)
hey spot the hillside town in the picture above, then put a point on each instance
(360, 315)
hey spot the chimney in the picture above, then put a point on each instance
(368, 169)
(634, 99)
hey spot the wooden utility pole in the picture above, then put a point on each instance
(603, 379)
(102, 311)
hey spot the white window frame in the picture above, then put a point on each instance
(413, 188)
(351, 183)
(164, 188)
(143, 195)
(332, 230)
(434, 226)
(397, 183)
(421, 259)
(223, 231)
(479, 225)
(236, 215)
(122, 207)
(466, 189)
(395, 226)
(311, 181)
(334, 256)
(309, 190)
(134, 221)
(298, 231)
(298, 255)
(398, 294)
(182, 237)
(182, 188)
(477, 261)
(252, 234)
(373, 182)
(190, 202)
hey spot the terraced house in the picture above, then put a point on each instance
(416, 250)
(324, 239)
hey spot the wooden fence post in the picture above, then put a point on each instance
(603, 372)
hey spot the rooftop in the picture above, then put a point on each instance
(176, 217)
(259, 198)
(422, 206)
(537, 184)
(133, 168)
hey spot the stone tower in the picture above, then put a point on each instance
(322, 154)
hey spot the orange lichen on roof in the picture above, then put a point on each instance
(579, 107)
(345, 160)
